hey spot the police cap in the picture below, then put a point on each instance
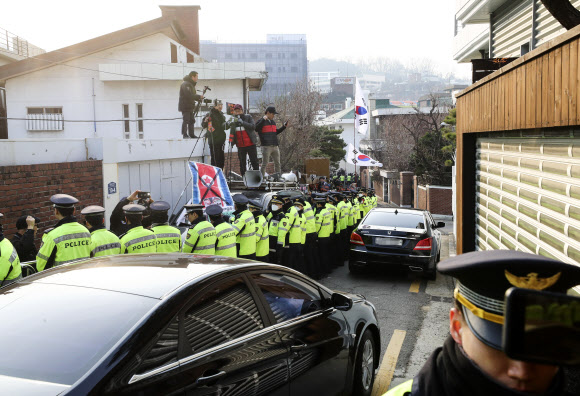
(240, 199)
(93, 210)
(193, 207)
(134, 209)
(160, 206)
(213, 210)
(276, 199)
(299, 201)
(319, 198)
(1, 215)
(484, 277)
(63, 201)
(252, 203)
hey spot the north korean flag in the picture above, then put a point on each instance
(209, 185)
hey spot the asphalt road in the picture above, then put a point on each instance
(413, 313)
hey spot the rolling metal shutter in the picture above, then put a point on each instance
(528, 195)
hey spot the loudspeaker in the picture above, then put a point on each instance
(253, 178)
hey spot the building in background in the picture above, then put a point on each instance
(285, 57)
(514, 27)
(322, 80)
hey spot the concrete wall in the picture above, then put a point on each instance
(26, 189)
(435, 199)
(76, 84)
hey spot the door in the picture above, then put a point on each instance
(528, 195)
(317, 336)
(227, 348)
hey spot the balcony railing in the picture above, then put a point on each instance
(13, 44)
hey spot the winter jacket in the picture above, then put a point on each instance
(268, 132)
(247, 123)
(218, 121)
(187, 95)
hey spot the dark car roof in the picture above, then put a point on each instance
(150, 275)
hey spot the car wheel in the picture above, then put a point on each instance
(364, 375)
(431, 274)
(354, 269)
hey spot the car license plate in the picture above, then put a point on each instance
(388, 241)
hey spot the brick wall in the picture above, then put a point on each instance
(395, 193)
(378, 186)
(440, 201)
(26, 189)
(407, 193)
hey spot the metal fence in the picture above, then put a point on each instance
(13, 44)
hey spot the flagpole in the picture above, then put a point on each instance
(354, 124)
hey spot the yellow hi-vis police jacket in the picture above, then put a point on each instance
(138, 240)
(245, 227)
(9, 262)
(104, 243)
(201, 239)
(226, 240)
(262, 236)
(168, 238)
(66, 242)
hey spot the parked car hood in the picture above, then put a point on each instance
(23, 386)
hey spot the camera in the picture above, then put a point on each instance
(207, 101)
(143, 195)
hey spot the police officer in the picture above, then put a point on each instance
(323, 225)
(245, 227)
(103, 242)
(168, 237)
(10, 270)
(201, 236)
(225, 233)
(262, 234)
(297, 237)
(471, 361)
(335, 232)
(310, 255)
(342, 210)
(137, 239)
(275, 225)
(68, 240)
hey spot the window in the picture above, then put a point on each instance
(173, 53)
(281, 55)
(140, 120)
(288, 297)
(326, 106)
(44, 119)
(164, 349)
(337, 106)
(268, 55)
(293, 55)
(229, 55)
(224, 313)
(126, 122)
(241, 56)
(401, 220)
(189, 56)
(254, 55)
(294, 69)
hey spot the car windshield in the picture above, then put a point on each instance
(57, 333)
(400, 220)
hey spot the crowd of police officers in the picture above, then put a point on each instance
(310, 235)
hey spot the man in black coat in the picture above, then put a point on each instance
(243, 135)
(187, 99)
(215, 122)
(23, 240)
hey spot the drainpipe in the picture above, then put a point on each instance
(94, 110)
(490, 36)
(533, 40)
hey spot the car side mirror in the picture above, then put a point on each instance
(341, 302)
(440, 224)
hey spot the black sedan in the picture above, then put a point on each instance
(400, 237)
(180, 324)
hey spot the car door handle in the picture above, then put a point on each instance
(298, 348)
(209, 378)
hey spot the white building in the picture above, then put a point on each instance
(114, 98)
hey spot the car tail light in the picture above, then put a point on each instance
(424, 244)
(356, 239)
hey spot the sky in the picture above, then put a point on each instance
(344, 30)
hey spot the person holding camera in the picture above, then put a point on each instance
(268, 132)
(186, 105)
(103, 242)
(242, 134)
(117, 223)
(215, 122)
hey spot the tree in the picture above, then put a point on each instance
(448, 131)
(299, 106)
(329, 145)
(564, 12)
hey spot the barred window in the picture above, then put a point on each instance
(44, 119)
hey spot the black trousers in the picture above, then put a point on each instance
(247, 256)
(310, 256)
(324, 252)
(218, 158)
(296, 257)
(264, 259)
(251, 152)
(187, 124)
(336, 252)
